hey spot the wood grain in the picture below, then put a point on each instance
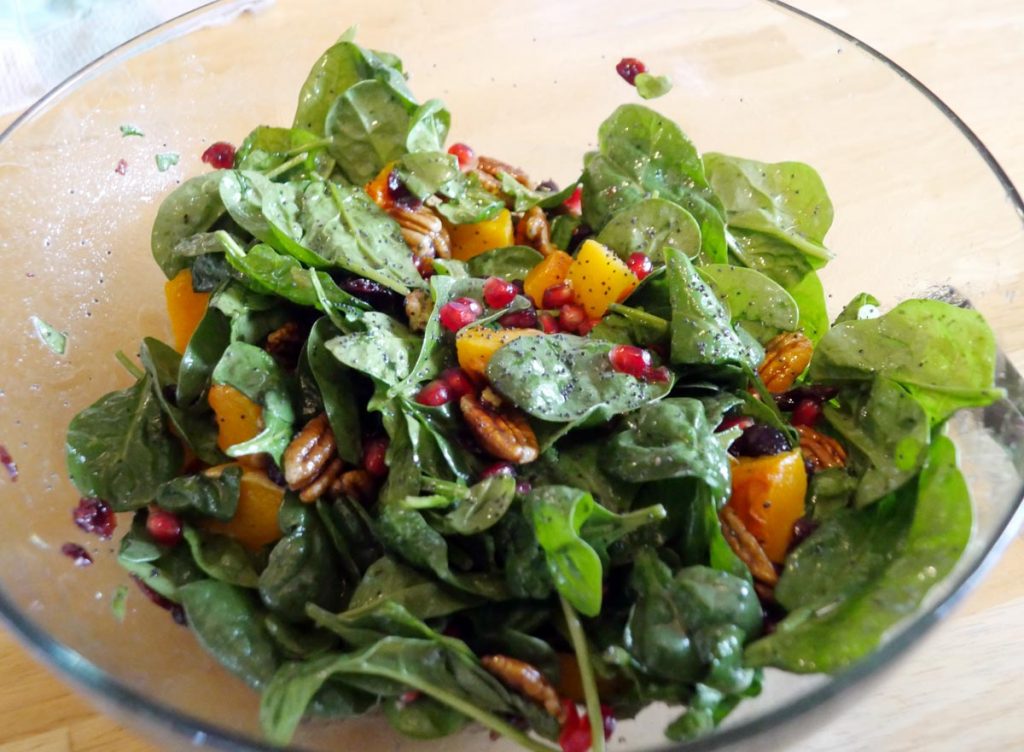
(971, 55)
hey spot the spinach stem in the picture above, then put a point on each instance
(593, 700)
(638, 314)
(130, 367)
(285, 166)
(425, 502)
(303, 148)
(447, 487)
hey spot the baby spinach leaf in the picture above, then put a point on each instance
(566, 378)
(863, 306)
(889, 429)
(428, 127)
(119, 450)
(423, 718)
(367, 126)
(256, 374)
(351, 532)
(525, 564)
(209, 496)
(524, 198)
(642, 154)
(650, 225)
(563, 227)
(191, 208)
(227, 623)
(809, 296)
(55, 340)
(943, 355)
(649, 86)
(750, 296)
(204, 350)
(825, 634)
(701, 334)
(511, 263)
(335, 387)
(557, 514)
(669, 439)
(424, 597)
(631, 326)
(470, 202)
(295, 642)
(210, 270)
(267, 148)
(386, 351)
(584, 465)
(222, 557)
(483, 506)
(425, 173)
(784, 200)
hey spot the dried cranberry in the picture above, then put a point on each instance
(8, 462)
(164, 527)
(802, 530)
(178, 614)
(95, 516)
(498, 468)
(571, 317)
(742, 422)
(498, 293)
(524, 319)
(806, 413)
(787, 401)
(464, 154)
(640, 264)
(220, 156)
(629, 68)
(275, 475)
(630, 360)
(399, 194)
(424, 265)
(574, 204)
(523, 487)
(375, 449)
(122, 167)
(760, 440)
(557, 296)
(176, 611)
(373, 293)
(458, 382)
(549, 323)
(548, 186)
(76, 552)
(434, 394)
(460, 312)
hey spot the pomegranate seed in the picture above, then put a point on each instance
(458, 382)
(95, 516)
(586, 326)
(122, 167)
(220, 156)
(498, 293)
(460, 312)
(375, 449)
(164, 527)
(523, 487)
(806, 413)
(424, 265)
(571, 317)
(525, 319)
(631, 360)
(7, 461)
(76, 552)
(640, 264)
(498, 468)
(557, 296)
(407, 698)
(608, 716)
(177, 612)
(464, 154)
(575, 734)
(549, 323)
(574, 204)
(629, 68)
(657, 375)
(434, 394)
(742, 422)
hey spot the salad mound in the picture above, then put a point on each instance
(440, 441)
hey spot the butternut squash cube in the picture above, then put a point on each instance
(768, 495)
(599, 278)
(238, 419)
(255, 522)
(472, 240)
(548, 273)
(475, 345)
(185, 307)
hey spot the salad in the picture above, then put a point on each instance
(438, 441)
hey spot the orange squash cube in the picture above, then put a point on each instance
(548, 273)
(255, 522)
(475, 345)
(185, 307)
(238, 419)
(768, 495)
(599, 278)
(472, 240)
(378, 187)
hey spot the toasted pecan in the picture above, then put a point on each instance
(503, 432)
(746, 546)
(285, 343)
(524, 678)
(495, 167)
(820, 450)
(422, 230)
(785, 358)
(310, 462)
(533, 230)
(359, 485)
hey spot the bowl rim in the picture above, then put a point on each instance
(82, 673)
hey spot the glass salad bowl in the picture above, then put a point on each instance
(922, 210)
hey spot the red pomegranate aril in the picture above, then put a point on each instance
(586, 326)
(498, 293)
(77, 553)
(629, 68)
(460, 312)
(458, 383)
(220, 156)
(571, 317)
(464, 154)
(95, 516)
(424, 265)
(640, 264)
(630, 360)
(557, 296)
(434, 394)
(575, 735)
(742, 422)
(608, 716)
(525, 319)
(574, 204)
(375, 450)
(164, 527)
(498, 468)
(122, 167)
(407, 698)
(657, 375)
(549, 323)
(806, 413)
(523, 487)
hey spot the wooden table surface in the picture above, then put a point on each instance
(972, 56)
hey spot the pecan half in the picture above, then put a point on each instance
(528, 680)
(422, 231)
(502, 431)
(358, 485)
(285, 343)
(785, 357)
(819, 449)
(533, 230)
(310, 462)
(494, 168)
(746, 546)
(418, 307)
